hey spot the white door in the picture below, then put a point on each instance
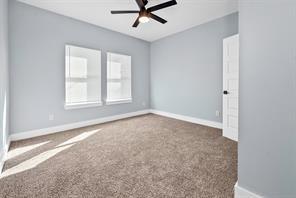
(230, 86)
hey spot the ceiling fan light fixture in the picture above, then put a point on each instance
(144, 19)
(145, 14)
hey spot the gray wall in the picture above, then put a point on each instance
(267, 137)
(186, 69)
(37, 44)
(4, 94)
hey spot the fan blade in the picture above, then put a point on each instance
(140, 3)
(136, 23)
(157, 18)
(124, 11)
(145, 2)
(161, 6)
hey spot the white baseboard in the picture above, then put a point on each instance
(61, 128)
(3, 155)
(213, 124)
(233, 135)
(240, 192)
(2, 160)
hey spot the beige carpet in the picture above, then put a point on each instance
(146, 156)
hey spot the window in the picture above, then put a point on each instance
(83, 77)
(118, 79)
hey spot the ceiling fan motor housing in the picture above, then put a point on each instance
(145, 14)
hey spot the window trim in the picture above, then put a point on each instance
(82, 104)
(124, 100)
(119, 101)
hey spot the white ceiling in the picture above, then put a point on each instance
(184, 15)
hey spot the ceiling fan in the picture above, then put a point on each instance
(146, 14)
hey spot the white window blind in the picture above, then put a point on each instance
(118, 78)
(83, 77)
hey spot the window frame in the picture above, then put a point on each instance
(124, 100)
(82, 104)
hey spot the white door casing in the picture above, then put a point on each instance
(230, 87)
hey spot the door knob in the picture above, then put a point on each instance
(225, 92)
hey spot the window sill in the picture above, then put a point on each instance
(114, 102)
(83, 105)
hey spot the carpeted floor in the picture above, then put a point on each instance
(145, 156)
